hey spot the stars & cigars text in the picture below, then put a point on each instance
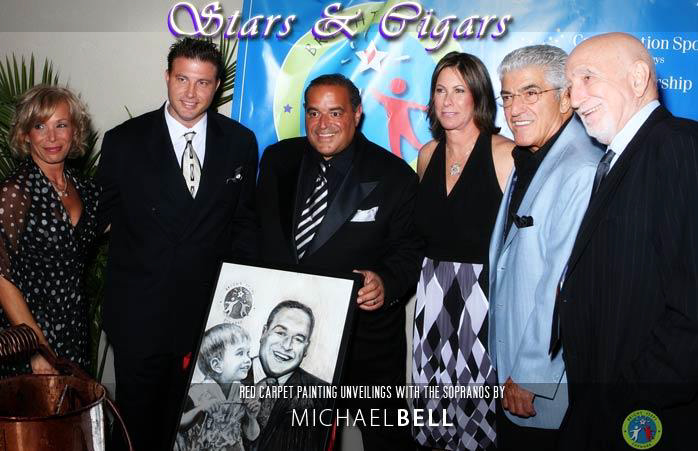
(371, 391)
(211, 21)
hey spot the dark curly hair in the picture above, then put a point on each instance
(336, 80)
(292, 305)
(198, 49)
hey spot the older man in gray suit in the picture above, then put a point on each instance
(544, 202)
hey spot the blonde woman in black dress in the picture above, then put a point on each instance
(463, 172)
(47, 224)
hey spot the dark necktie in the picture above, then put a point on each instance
(313, 211)
(191, 167)
(601, 172)
(267, 403)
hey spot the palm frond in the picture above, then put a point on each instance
(87, 164)
(225, 91)
(15, 86)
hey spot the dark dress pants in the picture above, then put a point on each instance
(149, 392)
(512, 437)
(387, 369)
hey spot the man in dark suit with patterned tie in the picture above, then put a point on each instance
(178, 191)
(335, 201)
(628, 303)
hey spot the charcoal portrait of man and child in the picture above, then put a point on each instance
(289, 349)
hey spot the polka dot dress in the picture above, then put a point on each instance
(43, 255)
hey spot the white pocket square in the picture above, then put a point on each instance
(365, 215)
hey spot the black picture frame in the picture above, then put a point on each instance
(221, 406)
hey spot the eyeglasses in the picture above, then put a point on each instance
(529, 97)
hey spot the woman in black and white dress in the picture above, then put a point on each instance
(47, 225)
(462, 173)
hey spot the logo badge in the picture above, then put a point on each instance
(237, 303)
(642, 429)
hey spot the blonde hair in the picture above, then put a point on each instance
(37, 105)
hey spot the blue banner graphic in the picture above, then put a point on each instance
(395, 46)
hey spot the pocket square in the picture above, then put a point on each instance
(365, 215)
(237, 176)
(523, 221)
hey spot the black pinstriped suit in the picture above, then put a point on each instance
(629, 305)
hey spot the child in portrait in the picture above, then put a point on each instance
(215, 416)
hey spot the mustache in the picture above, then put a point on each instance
(326, 130)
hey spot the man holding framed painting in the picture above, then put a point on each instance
(334, 201)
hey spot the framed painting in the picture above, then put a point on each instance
(270, 356)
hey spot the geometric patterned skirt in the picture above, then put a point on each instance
(449, 352)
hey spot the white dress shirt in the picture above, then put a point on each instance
(623, 138)
(177, 131)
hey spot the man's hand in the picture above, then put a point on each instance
(517, 400)
(372, 294)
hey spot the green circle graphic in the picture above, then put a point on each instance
(628, 434)
(306, 51)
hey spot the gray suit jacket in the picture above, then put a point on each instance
(526, 268)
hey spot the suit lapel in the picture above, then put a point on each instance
(498, 232)
(548, 164)
(609, 186)
(212, 173)
(165, 161)
(163, 180)
(214, 166)
(350, 194)
(496, 242)
(292, 221)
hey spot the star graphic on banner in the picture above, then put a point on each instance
(287, 108)
(370, 58)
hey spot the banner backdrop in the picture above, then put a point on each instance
(394, 74)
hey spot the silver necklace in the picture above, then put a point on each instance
(61, 192)
(455, 169)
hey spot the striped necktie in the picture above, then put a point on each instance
(313, 212)
(191, 167)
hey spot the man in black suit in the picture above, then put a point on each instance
(628, 303)
(335, 201)
(282, 347)
(178, 192)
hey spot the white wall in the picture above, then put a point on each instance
(111, 52)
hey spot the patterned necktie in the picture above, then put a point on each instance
(191, 167)
(602, 170)
(313, 212)
(267, 402)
